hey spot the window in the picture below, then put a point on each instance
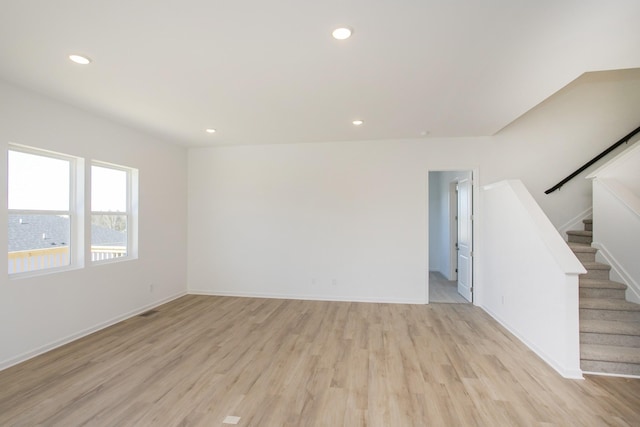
(41, 221)
(48, 206)
(111, 211)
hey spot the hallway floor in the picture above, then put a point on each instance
(443, 290)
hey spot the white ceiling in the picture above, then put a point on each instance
(269, 72)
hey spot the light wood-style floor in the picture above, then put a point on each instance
(443, 290)
(305, 363)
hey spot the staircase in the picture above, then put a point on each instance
(609, 324)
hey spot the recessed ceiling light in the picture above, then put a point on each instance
(342, 33)
(80, 59)
(210, 130)
(357, 122)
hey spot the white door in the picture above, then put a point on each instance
(465, 238)
(453, 231)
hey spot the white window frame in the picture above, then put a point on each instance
(131, 214)
(75, 212)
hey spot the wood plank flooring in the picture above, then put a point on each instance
(306, 363)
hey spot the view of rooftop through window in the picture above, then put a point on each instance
(41, 212)
(39, 201)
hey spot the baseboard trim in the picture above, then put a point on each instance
(88, 331)
(566, 373)
(302, 297)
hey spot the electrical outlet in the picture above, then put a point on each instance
(334, 282)
(151, 286)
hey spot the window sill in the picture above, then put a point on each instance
(112, 261)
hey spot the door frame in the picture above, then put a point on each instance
(475, 209)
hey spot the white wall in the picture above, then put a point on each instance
(41, 312)
(563, 133)
(533, 276)
(616, 218)
(435, 222)
(343, 221)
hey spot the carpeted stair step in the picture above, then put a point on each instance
(597, 288)
(610, 353)
(609, 332)
(580, 236)
(596, 270)
(615, 368)
(584, 252)
(611, 359)
(609, 309)
(609, 325)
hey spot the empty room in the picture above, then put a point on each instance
(320, 214)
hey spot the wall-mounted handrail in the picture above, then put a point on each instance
(624, 140)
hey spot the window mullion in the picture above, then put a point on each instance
(37, 212)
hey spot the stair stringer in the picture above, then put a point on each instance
(618, 273)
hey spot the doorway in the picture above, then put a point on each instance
(451, 236)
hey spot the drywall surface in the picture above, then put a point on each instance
(534, 276)
(38, 313)
(564, 132)
(343, 221)
(437, 247)
(616, 217)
